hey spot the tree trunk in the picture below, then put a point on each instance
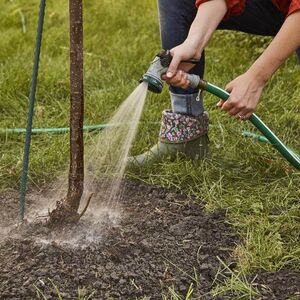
(66, 210)
(76, 172)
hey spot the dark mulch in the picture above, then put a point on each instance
(161, 240)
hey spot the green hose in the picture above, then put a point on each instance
(59, 130)
(287, 153)
(64, 130)
(269, 136)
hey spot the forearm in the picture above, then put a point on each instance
(285, 42)
(208, 17)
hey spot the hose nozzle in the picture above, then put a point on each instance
(158, 67)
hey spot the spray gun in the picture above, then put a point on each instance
(159, 66)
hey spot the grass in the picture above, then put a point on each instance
(82, 293)
(235, 283)
(258, 188)
(172, 295)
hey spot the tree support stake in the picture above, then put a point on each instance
(24, 176)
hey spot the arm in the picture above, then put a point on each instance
(286, 42)
(246, 89)
(208, 17)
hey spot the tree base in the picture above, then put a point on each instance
(63, 214)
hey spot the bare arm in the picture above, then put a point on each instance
(285, 42)
(246, 89)
(208, 17)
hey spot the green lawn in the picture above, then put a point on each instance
(257, 187)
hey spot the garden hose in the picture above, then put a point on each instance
(159, 66)
(287, 153)
(89, 128)
(55, 130)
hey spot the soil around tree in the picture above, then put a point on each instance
(154, 240)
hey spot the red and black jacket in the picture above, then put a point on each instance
(236, 7)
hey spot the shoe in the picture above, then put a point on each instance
(179, 134)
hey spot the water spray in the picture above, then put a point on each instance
(159, 66)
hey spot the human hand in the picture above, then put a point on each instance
(176, 75)
(178, 80)
(245, 92)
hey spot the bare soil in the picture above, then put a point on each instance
(153, 240)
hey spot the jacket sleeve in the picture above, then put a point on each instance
(294, 6)
(234, 7)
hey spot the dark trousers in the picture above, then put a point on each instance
(260, 17)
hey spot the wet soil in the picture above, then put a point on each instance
(153, 241)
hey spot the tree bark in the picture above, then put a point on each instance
(66, 210)
(76, 171)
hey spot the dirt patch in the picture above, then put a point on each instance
(284, 284)
(152, 241)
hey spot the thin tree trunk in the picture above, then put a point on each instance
(76, 172)
(66, 210)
